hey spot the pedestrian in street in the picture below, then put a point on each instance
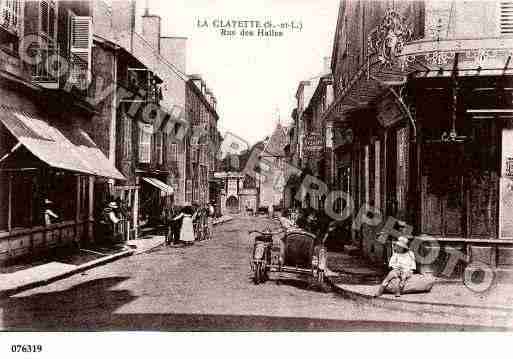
(108, 221)
(271, 211)
(187, 215)
(402, 264)
(211, 215)
(175, 225)
(49, 215)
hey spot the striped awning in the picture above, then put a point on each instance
(165, 189)
(66, 147)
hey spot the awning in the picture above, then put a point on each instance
(67, 147)
(165, 189)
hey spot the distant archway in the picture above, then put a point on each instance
(232, 204)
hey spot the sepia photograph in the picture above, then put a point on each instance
(285, 166)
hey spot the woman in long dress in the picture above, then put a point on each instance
(187, 232)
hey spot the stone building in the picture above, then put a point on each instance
(201, 111)
(426, 119)
(49, 108)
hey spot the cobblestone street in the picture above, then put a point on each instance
(204, 287)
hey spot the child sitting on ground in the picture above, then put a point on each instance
(402, 264)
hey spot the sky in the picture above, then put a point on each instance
(253, 78)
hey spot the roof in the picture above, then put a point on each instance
(277, 142)
(68, 147)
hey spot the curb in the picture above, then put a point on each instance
(418, 306)
(82, 268)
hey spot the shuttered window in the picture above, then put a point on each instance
(10, 12)
(80, 49)
(506, 18)
(145, 134)
(44, 10)
(47, 17)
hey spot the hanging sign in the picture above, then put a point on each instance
(313, 142)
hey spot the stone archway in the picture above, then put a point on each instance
(232, 204)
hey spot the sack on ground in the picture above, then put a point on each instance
(417, 283)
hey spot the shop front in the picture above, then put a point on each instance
(46, 167)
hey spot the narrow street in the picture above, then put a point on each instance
(204, 287)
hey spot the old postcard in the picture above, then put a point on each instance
(273, 165)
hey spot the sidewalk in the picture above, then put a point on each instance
(20, 278)
(39, 275)
(354, 278)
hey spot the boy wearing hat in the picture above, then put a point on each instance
(402, 264)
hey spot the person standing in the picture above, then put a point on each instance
(188, 215)
(49, 215)
(271, 211)
(211, 215)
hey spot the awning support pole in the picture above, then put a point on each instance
(16, 146)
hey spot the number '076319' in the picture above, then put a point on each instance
(26, 348)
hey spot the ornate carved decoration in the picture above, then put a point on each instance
(387, 40)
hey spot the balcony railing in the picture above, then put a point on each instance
(46, 71)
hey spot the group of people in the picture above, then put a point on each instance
(180, 222)
(401, 265)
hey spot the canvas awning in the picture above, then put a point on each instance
(165, 189)
(66, 147)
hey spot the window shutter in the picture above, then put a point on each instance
(81, 41)
(44, 10)
(9, 12)
(506, 18)
(145, 134)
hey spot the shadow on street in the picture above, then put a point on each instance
(83, 307)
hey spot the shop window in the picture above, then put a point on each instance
(366, 175)
(83, 197)
(377, 174)
(402, 168)
(22, 201)
(158, 148)
(4, 201)
(62, 190)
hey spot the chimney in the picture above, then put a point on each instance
(327, 65)
(123, 21)
(151, 29)
(173, 49)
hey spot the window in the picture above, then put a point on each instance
(81, 41)
(174, 152)
(145, 134)
(10, 12)
(158, 147)
(127, 137)
(506, 18)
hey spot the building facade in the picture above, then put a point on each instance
(201, 111)
(424, 119)
(49, 157)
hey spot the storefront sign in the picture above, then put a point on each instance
(313, 142)
(388, 112)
